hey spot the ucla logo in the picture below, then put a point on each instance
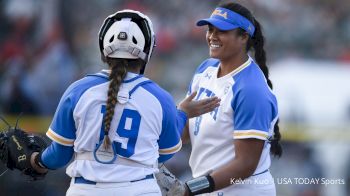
(220, 13)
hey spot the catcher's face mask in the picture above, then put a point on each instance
(127, 34)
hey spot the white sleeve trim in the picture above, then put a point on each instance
(171, 150)
(59, 139)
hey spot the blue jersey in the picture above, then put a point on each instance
(248, 109)
(145, 126)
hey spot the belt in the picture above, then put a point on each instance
(81, 180)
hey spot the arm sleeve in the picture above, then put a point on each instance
(181, 119)
(56, 155)
(173, 123)
(62, 129)
(253, 113)
(181, 122)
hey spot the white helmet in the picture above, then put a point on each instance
(127, 34)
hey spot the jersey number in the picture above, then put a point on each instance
(128, 127)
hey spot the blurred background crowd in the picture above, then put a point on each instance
(46, 45)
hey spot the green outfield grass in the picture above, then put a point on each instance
(34, 124)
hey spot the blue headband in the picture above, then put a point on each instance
(225, 19)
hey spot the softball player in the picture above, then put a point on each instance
(231, 145)
(117, 124)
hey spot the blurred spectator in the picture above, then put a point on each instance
(35, 62)
(318, 29)
(16, 54)
(54, 65)
(47, 44)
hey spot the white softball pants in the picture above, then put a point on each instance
(148, 187)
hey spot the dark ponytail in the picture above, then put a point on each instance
(260, 55)
(260, 58)
(257, 42)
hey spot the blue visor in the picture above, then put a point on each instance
(225, 19)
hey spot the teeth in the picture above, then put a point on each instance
(215, 45)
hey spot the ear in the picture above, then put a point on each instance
(244, 38)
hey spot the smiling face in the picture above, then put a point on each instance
(224, 45)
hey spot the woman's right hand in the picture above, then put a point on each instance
(195, 108)
(36, 167)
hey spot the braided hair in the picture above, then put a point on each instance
(119, 68)
(257, 42)
(115, 43)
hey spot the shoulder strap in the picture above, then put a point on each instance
(129, 87)
(132, 85)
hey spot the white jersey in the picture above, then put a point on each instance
(248, 109)
(141, 129)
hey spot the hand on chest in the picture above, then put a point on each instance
(221, 89)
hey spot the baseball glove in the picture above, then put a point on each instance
(16, 148)
(168, 183)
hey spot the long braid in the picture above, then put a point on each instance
(260, 54)
(118, 73)
(257, 42)
(260, 57)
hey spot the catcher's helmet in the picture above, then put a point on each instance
(127, 34)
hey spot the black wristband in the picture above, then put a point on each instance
(200, 185)
(211, 182)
